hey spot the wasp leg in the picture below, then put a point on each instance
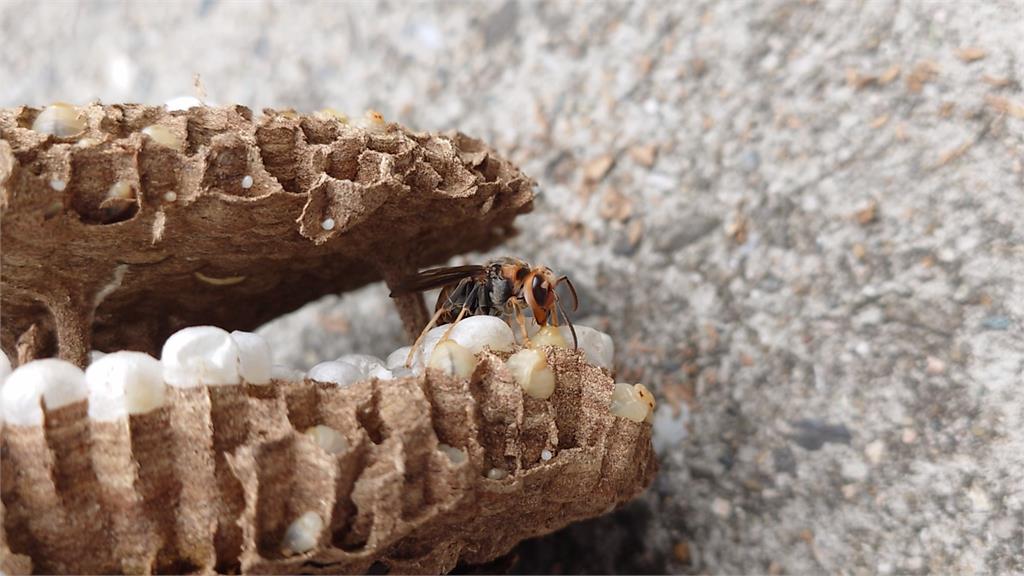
(518, 313)
(452, 325)
(415, 345)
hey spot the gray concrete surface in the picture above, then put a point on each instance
(801, 221)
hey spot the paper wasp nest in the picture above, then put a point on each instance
(127, 223)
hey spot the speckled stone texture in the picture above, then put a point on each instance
(801, 221)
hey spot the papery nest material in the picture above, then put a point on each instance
(213, 479)
(146, 221)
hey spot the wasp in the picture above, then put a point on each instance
(500, 287)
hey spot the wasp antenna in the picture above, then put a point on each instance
(572, 290)
(568, 320)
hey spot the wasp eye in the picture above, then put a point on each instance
(540, 291)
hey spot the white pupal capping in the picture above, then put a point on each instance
(5, 371)
(327, 438)
(370, 366)
(255, 360)
(303, 534)
(397, 358)
(422, 354)
(340, 373)
(182, 103)
(124, 383)
(200, 355)
(597, 346)
(477, 332)
(5, 367)
(287, 373)
(55, 383)
(453, 359)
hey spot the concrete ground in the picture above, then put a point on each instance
(802, 221)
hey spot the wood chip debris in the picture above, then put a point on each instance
(615, 206)
(1005, 106)
(890, 74)
(644, 154)
(971, 54)
(635, 232)
(996, 81)
(951, 155)
(682, 551)
(738, 229)
(923, 73)
(859, 80)
(595, 170)
(868, 214)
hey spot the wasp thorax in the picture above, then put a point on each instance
(530, 369)
(61, 120)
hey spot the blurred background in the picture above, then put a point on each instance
(801, 221)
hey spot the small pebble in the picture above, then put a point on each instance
(327, 224)
(682, 551)
(497, 474)
(58, 184)
(980, 502)
(170, 196)
(874, 451)
(935, 366)
(854, 469)
(909, 436)
(721, 507)
(247, 182)
(996, 323)
(545, 455)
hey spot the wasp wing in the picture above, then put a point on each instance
(435, 278)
